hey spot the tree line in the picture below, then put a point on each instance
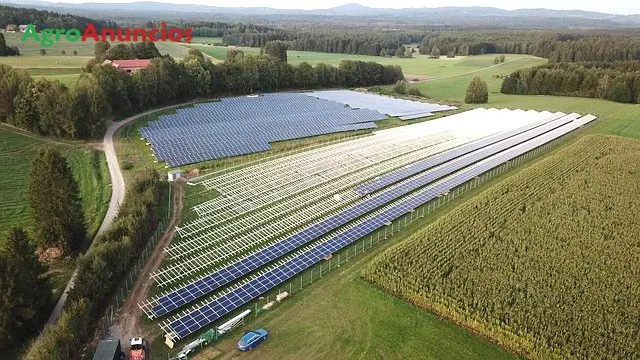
(616, 81)
(100, 271)
(44, 19)
(47, 107)
(58, 222)
(611, 45)
(352, 42)
(7, 50)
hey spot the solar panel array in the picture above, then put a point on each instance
(404, 109)
(262, 203)
(207, 284)
(244, 125)
(449, 178)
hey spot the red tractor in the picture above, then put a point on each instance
(138, 349)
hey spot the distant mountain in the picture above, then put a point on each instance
(466, 15)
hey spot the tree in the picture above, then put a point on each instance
(400, 87)
(24, 291)
(277, 49)
(477, 92)
(451, 55)
(75, 52)
(435, 53)
(234, 54)
(120, 52)
(63, 52)
(91, 107)
(100, 49)
(383, 53)
(408, 52)
(400, 51)
(619, 92)
(304, 77)
(55, 203)
(43, 52)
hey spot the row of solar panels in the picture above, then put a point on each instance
(405, 109)
(244, 125)
(194, 320)
(399, 174)
(441, 165)
(206, 146)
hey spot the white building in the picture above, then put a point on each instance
(174, 175)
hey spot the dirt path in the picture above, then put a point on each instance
(128, 318)
(117, 196)
(426, 78)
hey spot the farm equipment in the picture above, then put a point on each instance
(138, 349)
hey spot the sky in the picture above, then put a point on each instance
(610, 6)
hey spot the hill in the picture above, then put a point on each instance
(521, 18)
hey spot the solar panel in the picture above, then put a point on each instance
(404, 109)
(415, 168)
(241, 125)
(192, 321)
(207, 284)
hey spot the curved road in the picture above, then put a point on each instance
(117, 196)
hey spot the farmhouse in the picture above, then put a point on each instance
(128, 66)
(22, 28)
(11, 27)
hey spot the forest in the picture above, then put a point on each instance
(544, 263)
(44, 19)
(616, 81)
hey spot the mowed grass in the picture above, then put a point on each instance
(18, 151)
(342, 317)
(420, 65)
(452, 85)
(206, 40)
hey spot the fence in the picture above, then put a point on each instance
(346, 254)
(125, 287)
(372, 240)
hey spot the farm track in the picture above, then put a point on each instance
(423, 78)
(117, 196)
(128, 318)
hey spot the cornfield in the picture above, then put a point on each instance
(546, 263)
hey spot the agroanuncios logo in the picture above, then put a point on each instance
(47, 37)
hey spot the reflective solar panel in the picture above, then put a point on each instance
(447, 163)
(192, 321)
(244, 125)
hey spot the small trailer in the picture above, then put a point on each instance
(109, 349)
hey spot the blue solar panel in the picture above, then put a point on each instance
(244, 125)
(422, 165)
(207, 284)
(214, 310)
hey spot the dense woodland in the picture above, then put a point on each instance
(43, 19)
(615, 81)
(331, 41)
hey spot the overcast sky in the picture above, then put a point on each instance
(609, 6)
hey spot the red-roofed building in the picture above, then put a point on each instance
(128, 66)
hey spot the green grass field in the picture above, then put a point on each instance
(88, 166)
(342, 317)
(202, 40)
(420, 65)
